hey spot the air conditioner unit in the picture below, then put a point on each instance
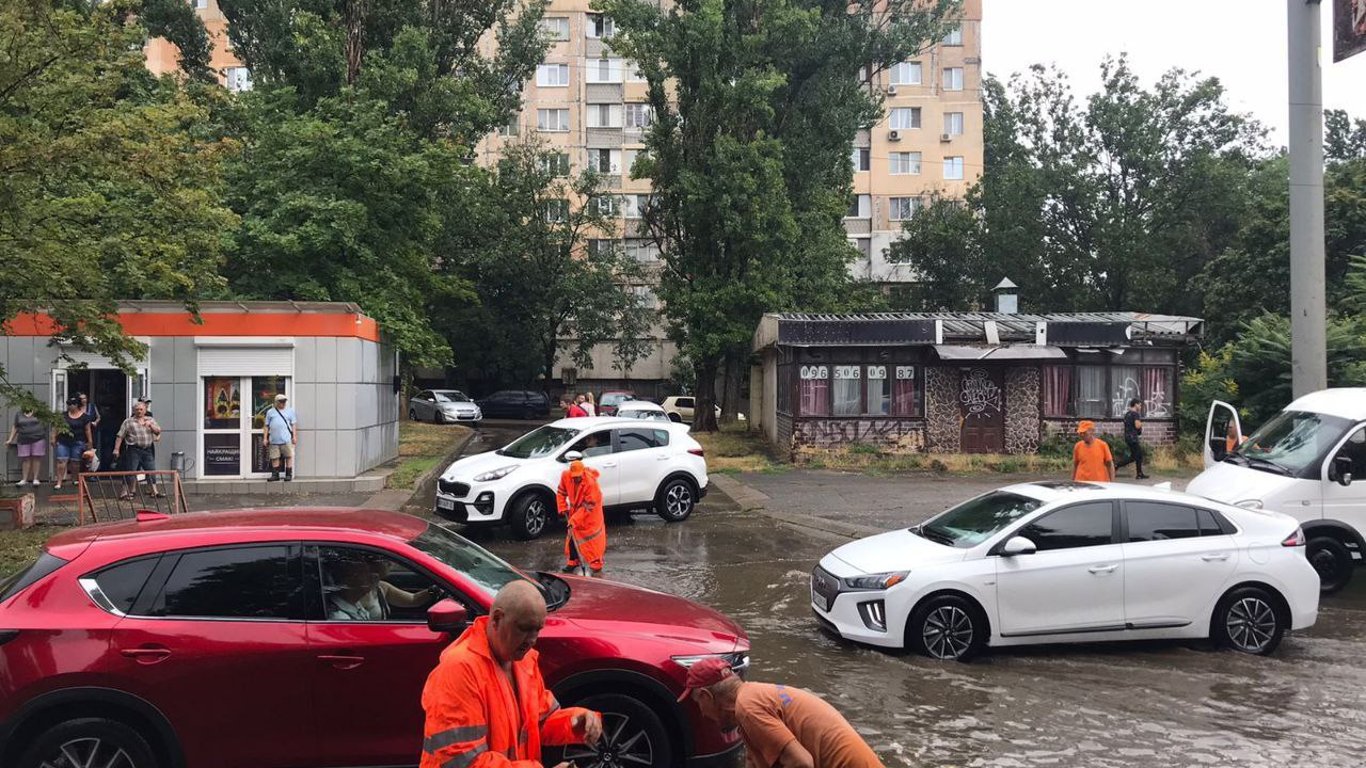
(894, 136)
(891, 90)
(946, 137)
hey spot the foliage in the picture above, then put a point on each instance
(942, 241)
(176, 21)
(109, 177)
(1209, 380)
(1344, 139)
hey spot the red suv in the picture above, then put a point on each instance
(280, 638)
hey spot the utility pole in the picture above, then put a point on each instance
(1308, 307)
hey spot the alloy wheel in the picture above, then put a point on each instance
(623, 745)
(536, 517)
(89, 753)
(1251, 624)
(678, 500)
(947, 632)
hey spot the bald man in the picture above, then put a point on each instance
(486, 704)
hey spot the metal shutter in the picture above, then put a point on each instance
(247, 361)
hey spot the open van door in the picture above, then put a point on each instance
(1222, 424)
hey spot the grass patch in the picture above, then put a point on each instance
(421, 446)
(738, 449)
(18, 548)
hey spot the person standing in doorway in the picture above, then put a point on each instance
(29, 434)
(71, 439)
(1133, 434)
(138, 434)
(281, 433)
(1091, 457)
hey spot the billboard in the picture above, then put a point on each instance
(1349, 28)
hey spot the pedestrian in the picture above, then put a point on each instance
(579, 499)
(1091, 457)
(281, 435)
(29, 434)
(90, 408)
(1133, 433)
(138, 435)
(486, 703)
(572, 409)
(72, 439)
(589, 405)
(781, 726)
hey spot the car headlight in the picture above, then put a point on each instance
(497, 474)
(1249, 504)
(738, 660)
(876, 580)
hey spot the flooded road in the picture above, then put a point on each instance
(1143, 704)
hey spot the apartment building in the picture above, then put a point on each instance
(162, 57)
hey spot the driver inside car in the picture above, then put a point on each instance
(362, 594)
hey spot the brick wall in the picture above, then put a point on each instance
(1154, 432)
(889, 435)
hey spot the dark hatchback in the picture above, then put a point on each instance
(515, 404)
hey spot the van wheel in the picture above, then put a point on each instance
(632, 735)
(675, 500)
(530, 516)
(1247, 621)
(1332, 560)
(89, 741)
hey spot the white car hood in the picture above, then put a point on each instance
(1231, 484)
(466, 468)
(898, 550)
(461, 405)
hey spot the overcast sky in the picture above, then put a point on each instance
(1242, 42)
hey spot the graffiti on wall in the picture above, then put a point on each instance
(1126, 391)
(1155, 404)
(1022, 410)
(944, 433)
(980, 396)
(887, 433)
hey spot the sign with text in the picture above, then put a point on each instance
(1349, 28)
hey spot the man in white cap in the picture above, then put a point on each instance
(281, 435)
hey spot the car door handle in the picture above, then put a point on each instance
(1214, 557)
(1102, 568)
(662, 458)
(609, 465)
(342, 661)
(147, 655)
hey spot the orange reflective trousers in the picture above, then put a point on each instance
(579, 500)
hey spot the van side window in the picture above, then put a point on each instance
(1355, 448)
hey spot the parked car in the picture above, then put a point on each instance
(641, 409)
(680, 408)
(607, 404)
(644, 465)
(210, 640)
(1058, 562)
(443, 405)
(516, 404)
(1308, 462)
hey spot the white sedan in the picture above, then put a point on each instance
(1072, 562)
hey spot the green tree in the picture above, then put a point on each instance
(1344, 138)
(109, 177)
(944, 242)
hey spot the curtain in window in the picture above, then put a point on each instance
(1057, 389)
(1091, 400)
(814, 391)
(905, 393)
(1157, 393)
(846, 390)
(879, 391)
(1124, 383)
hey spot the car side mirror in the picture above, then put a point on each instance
(1018, 545)
(1342, 466)
(571, 456)
(447, 616)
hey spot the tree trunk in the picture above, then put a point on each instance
(733, 374)
(704, 412)
(355, 39)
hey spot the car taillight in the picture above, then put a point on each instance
(1295, 539)
(697, 452)
(7, 635)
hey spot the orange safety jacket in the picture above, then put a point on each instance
(581, 504)
(476, 720)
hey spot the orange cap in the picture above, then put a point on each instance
(1085, 426)
(576, 468)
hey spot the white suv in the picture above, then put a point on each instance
(643, 464)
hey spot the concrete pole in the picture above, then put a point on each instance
(1308, 331)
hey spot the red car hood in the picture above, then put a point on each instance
(599, 605)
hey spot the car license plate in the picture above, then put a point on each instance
(819, 602)
(445, 504)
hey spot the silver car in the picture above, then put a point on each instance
(443, 406)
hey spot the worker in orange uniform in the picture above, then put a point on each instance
(579, 499)
(1091, 457)
(486, 704)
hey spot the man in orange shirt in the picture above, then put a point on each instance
(1091, 458)
(782, 727)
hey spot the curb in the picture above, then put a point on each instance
(440, 466)
(750, 500)
(388, 498)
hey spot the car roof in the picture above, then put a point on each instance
(443, 391)
(593, 422)
(1347, 402)
(305, 521)
(1050, 491)
(639, 405)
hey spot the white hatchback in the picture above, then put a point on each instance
(1072, 562)
(650, 465)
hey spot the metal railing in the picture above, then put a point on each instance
(108, 496)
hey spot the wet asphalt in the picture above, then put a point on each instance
(1095, 705)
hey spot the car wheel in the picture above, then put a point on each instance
(89, 741)
(1247, 621)
(948, 627)
(438, 418)
(530, 516)
(675, 500)
(633, 736)
(412, 414)
(528, 414)
(1332, 560)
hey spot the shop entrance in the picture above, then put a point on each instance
(111, 390)
(234, 413)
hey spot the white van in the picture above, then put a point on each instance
(1303, 463)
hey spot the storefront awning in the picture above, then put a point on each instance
(1020, 352)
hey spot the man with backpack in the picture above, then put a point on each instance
(281, 435)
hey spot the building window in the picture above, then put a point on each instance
(605, 205)
(509, 128)
(860, 158)
(633, 206)
(604, 115)
(600, 26)
(552, 120)
(902, 208)
(953, 78)
(1091, 401)
(634, 74)
(906, 73)
(879, 391)
(642, 250)
(953, 168)
(814, 390)
(555, 164)
(200, 5)
(954, 37)
(605, 160)
(237, 79)
(604, 70)
(555, 27)
(905, 163)
(953, 123)
(556, 211)
(905, 391)
(639, 115)
(1101, 391)
(601, 247)
(846, 391)
(860, 207)
(552, 75)
(629, 158)
(1057, 390)
(905, 118)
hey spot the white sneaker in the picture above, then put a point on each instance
(36, 482)
(21, 483)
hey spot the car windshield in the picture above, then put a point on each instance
(538, 443)
(451, 397)
(976, 520)
(615, 398)
(1294, 443)
(477, 564)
